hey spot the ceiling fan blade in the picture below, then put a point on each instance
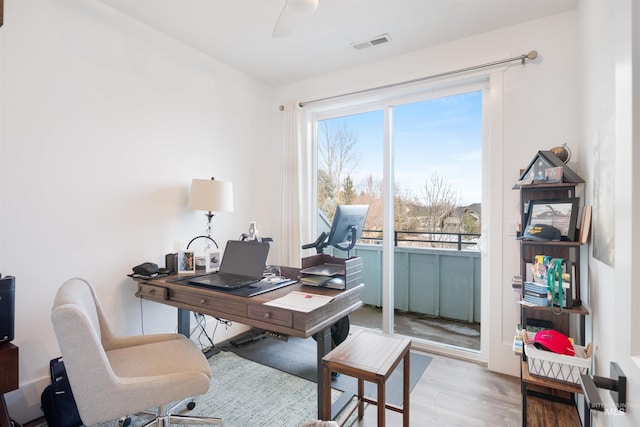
(290, 14)
(286, 22)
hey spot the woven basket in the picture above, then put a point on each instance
(558, 367)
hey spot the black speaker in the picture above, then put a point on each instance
(171, 263)
(7, 308)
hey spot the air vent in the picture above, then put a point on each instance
(384, 38)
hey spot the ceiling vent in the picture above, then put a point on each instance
(384, 38)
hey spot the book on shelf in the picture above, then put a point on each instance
(518, 345)
(585, 224)
(535, 287)
(518, 341)
(536, 279)
(535, 294)
(539, 301)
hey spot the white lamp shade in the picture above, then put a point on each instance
(211, 195)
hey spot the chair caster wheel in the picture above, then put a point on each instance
(124, 421)
(191, 405)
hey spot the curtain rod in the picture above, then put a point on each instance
(530, 56)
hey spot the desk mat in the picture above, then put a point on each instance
(297, 356)
(257, 288)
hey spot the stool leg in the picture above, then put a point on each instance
(326, 393)
(360, 401)
(405, 390)
(382, 401)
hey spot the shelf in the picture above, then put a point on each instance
(548, 382)
(533, 385)
(560, 243)
(582, 310)
(548, 185)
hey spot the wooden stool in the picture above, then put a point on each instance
(368, 356)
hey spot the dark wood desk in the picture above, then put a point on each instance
(8, 378)
(251, 311)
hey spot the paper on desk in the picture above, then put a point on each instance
(300, 301)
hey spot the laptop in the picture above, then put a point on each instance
(243, 263)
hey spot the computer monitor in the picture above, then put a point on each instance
(347, 226)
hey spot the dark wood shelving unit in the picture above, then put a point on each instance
(546, 394)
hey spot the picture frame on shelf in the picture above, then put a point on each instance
(553, 175)
(559, 213)
(186, 262)
(212, 261)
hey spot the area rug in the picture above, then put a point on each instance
(248, 394)
(297, 356)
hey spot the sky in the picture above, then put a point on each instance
(441, 135)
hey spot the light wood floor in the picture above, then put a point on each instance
(454, 393)
(457, 393)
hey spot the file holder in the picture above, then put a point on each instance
(352, 267)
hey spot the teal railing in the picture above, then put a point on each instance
(434, 282)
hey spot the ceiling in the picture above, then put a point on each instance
(239, 32)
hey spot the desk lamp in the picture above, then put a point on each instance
(211, 196)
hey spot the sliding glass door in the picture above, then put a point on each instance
(432, 145)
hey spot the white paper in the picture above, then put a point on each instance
(300, 301)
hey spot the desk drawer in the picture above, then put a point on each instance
(208, 304)
(152, 292)
(271, 315)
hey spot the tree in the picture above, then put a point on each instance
(470, 224)
(337, 157)
(326, 194)
(370, 193)
(348, 191)
(439, 200)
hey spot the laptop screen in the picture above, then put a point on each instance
(245, 258)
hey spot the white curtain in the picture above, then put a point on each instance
(297, 206)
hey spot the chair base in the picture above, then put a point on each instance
(166, 421)
(164, 417)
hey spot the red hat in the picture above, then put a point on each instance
(554, 341)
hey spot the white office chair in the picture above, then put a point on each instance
(112, 376)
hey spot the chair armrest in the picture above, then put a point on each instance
(116, 342)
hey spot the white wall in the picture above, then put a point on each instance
(104, 124)
(610, 70)
(540, 112)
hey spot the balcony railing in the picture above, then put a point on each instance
(435, 282)
(409, 238)
(435, 273)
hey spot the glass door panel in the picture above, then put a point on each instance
(350, 150)
(438, 165)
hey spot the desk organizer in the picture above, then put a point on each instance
(352, 267)
(558, 367)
